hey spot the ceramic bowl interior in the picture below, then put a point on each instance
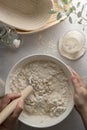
(43, 121)
(25, 14)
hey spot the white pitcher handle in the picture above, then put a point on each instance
(2, 88)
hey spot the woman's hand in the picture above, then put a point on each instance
(10, 122)
(80, 96)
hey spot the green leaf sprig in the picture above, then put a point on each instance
(76, 10)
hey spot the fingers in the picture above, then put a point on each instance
(74, 73)
(13, 96)
(79, 79)
(7, 99)
(11, 121)
(75, 84)
(18, 110)
(76, 80)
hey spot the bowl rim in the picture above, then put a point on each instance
(66, 113)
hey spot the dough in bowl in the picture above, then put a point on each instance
(51, 94)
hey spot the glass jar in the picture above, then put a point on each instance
(9, 36)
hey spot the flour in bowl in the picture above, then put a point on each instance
(51, 92)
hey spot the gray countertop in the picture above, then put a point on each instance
(45, 42)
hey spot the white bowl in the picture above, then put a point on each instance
(25, 14)
(43, 121)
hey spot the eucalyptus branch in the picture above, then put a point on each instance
(72, 10)
(83, 18)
